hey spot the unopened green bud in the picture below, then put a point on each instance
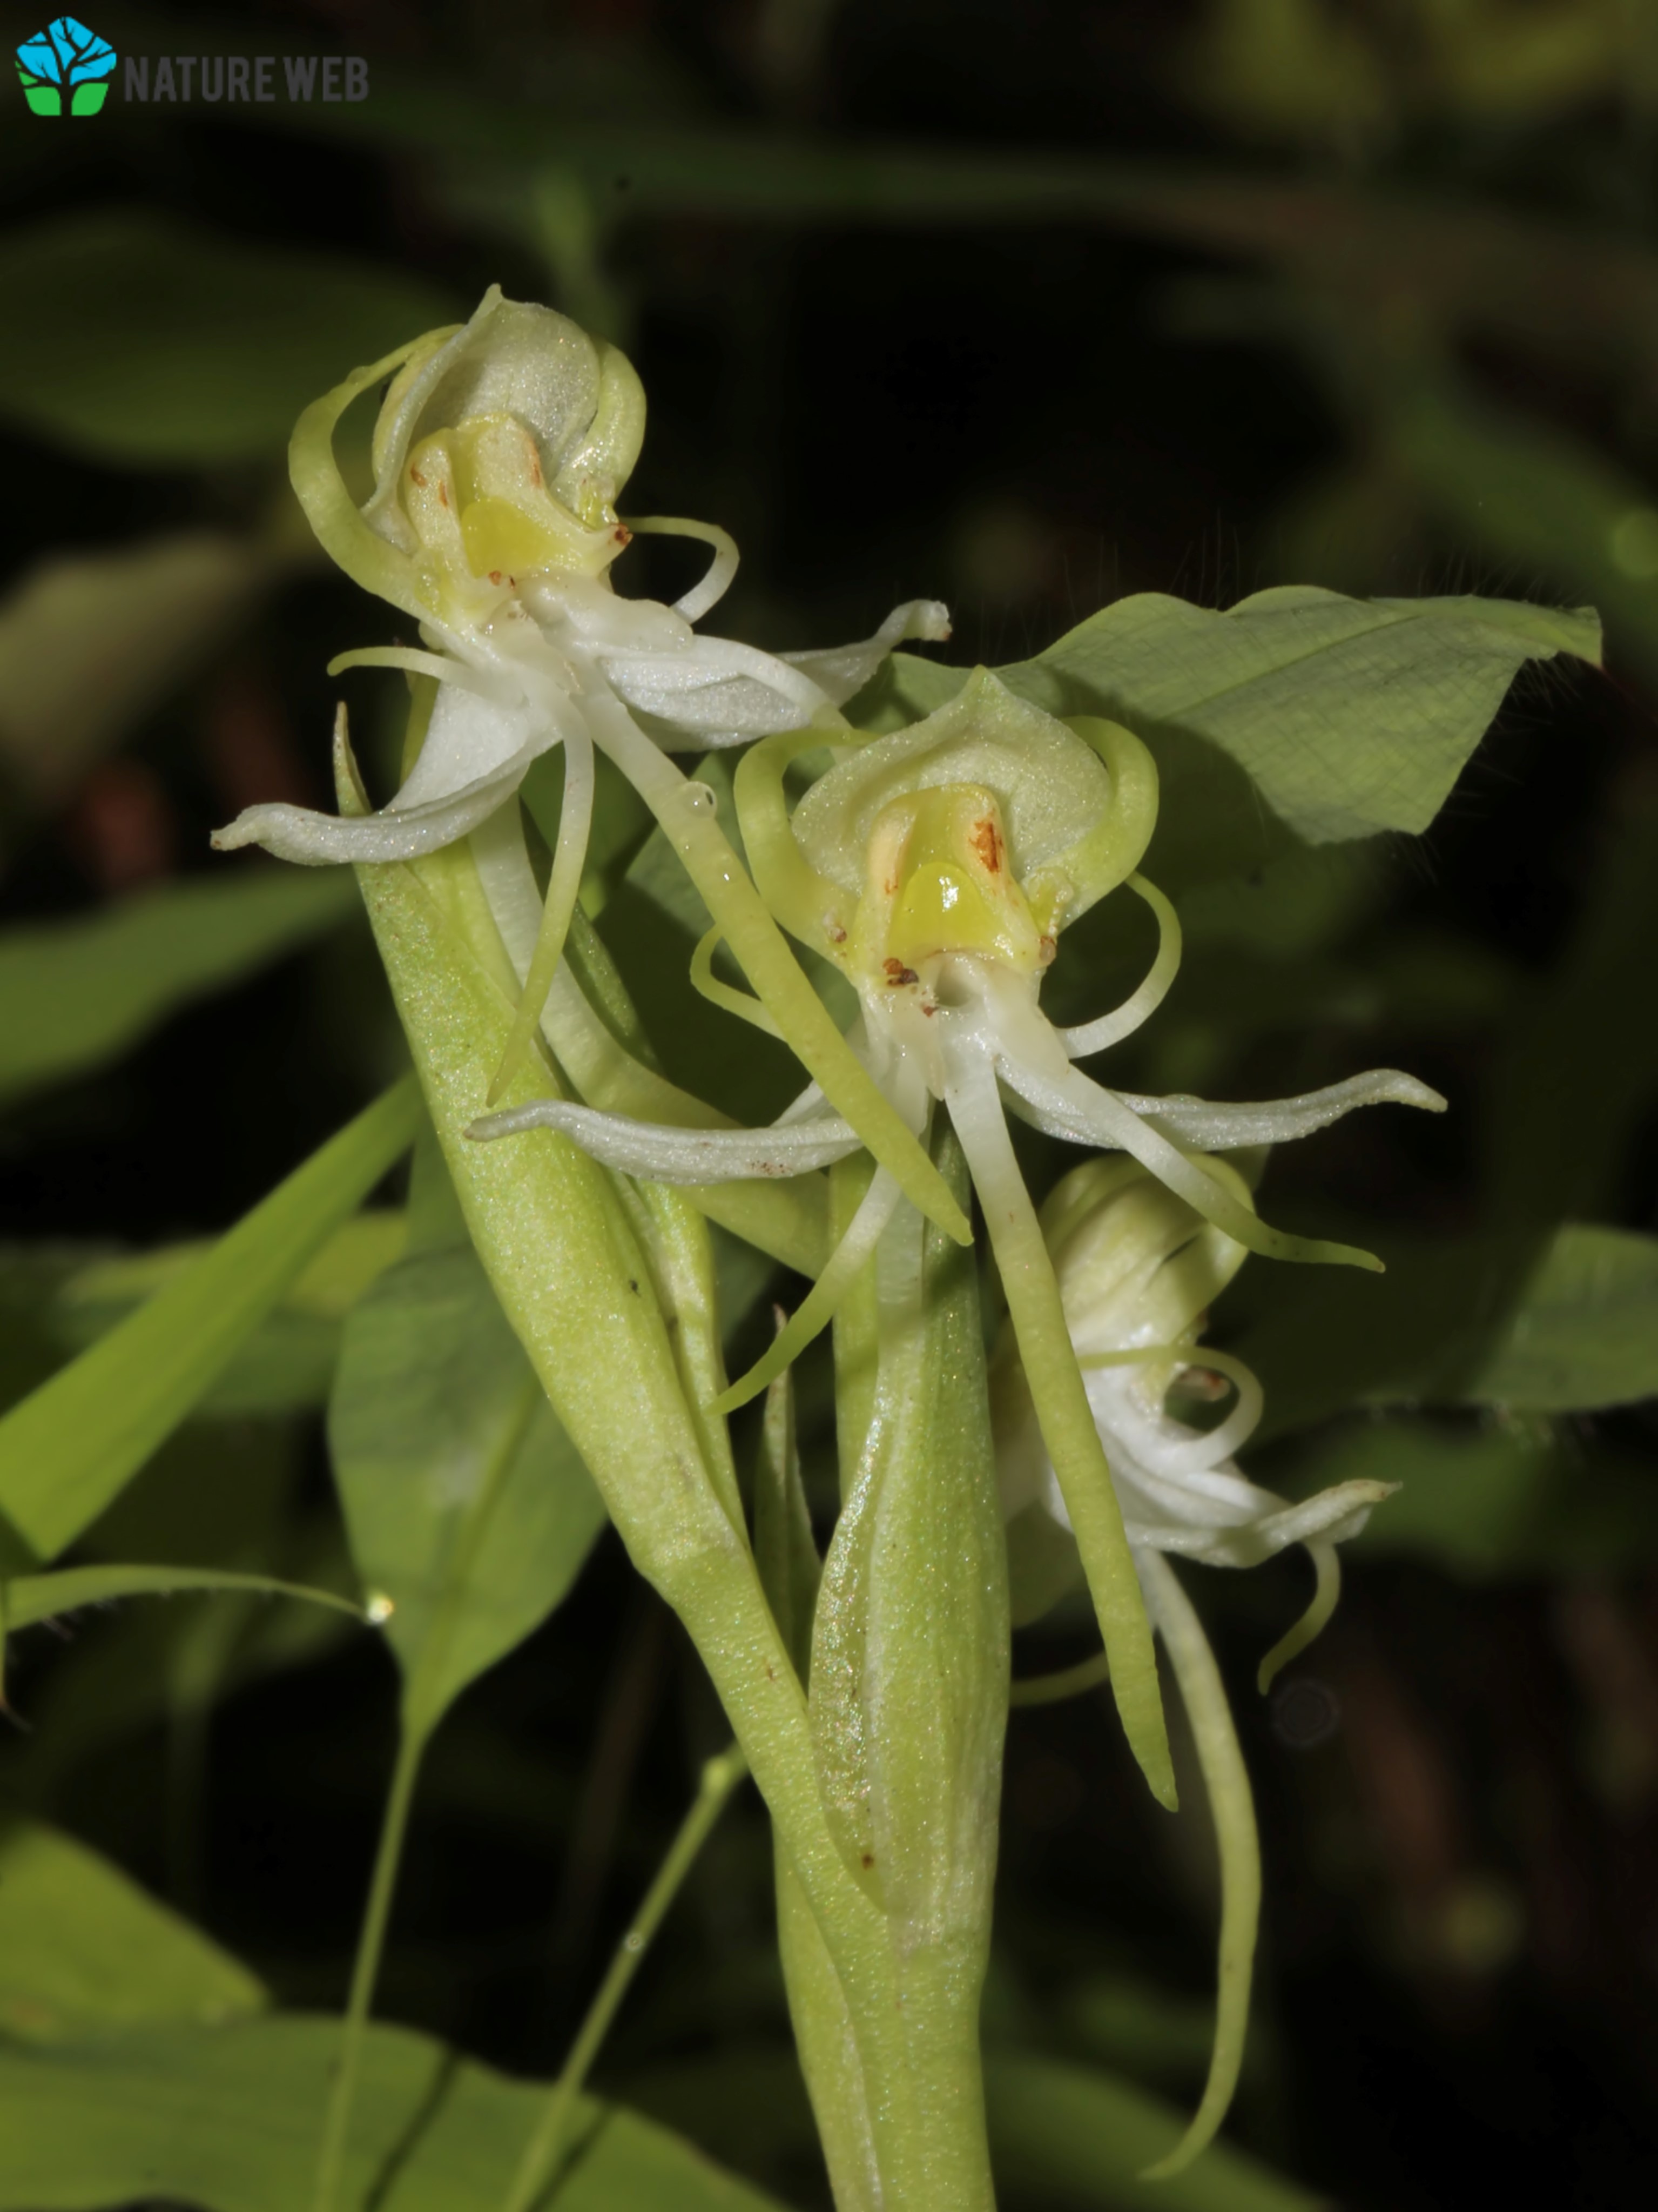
(909, 1661)
(1137, 1265)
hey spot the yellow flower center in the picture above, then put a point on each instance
(940, 882)
(477, 497)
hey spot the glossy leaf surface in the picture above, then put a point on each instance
(227, 2119)
(1345, 716)
(1552, 1323)
(84, 1951)
(467, 1505)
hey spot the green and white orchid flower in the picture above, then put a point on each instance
(937, 868)
(500, 452)
(1138, 1268)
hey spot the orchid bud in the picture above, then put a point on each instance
(909, 1658)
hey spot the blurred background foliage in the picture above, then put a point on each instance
(1030, 305)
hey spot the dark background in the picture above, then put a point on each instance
(1027, 306)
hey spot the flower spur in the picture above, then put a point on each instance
(937, 868)
(499, 453)
(1138, 1269)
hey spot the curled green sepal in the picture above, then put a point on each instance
(569, 857)
(1087, 1037)
(1115, 844)
(1226, 1780)
(819, 1308)
(1327, 1595)
(703, 979)
(321, 490)
(800, 897)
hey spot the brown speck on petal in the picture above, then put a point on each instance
(414, 477)
(987, 842)
(443, 494)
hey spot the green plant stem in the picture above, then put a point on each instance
(365, 1971)
(562, 1256)
(720, 1775)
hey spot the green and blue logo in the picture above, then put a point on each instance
(65, 69)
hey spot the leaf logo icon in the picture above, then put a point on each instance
(65, 69)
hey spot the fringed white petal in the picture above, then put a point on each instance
(840, 670)
(1334, 1516)
(396, 833)
(477, 752)
(1070, 1104)
(471, 737)
(719, 693)
(1218, 1128)
(658, 1152)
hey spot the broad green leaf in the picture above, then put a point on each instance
(1498, 1498)
(74, 995)
(84, 1952)
(66, 1451)
(90, 642)
(1297, 715)
(56, 1300)
(146, 342)
(326, 1287)
(1552, 1324)
(1583, 1332)
(467, 1506)
(228, 2118)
